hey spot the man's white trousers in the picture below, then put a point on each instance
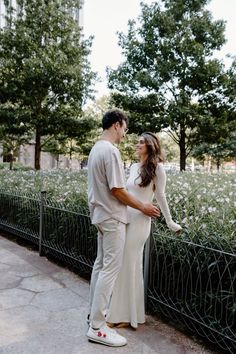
(111, 241)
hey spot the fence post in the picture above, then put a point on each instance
(146, 267)
(41, 219)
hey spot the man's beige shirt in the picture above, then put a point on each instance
(105, 171)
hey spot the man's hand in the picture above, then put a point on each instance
(151, 210)
(124, 197)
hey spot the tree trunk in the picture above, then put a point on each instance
(209, 166)
(218, 165)
(37, 154)
(193, 165)
(182, 147)
(11, 161)
(57, 159)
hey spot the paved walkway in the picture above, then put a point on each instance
(43, 309)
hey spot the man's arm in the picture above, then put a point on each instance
(124, 197)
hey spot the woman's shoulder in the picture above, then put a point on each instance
(160, 168)
(160, 165)
(135, 164)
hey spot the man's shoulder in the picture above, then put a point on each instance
(103, 149)
(106, 146)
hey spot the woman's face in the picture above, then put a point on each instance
(141, 148)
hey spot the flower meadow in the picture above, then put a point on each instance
(68, 188)
(204, 204)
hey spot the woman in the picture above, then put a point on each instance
(147, 178)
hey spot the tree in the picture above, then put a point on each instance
(216, 130)
(12, 137)
(218, 152)
(73, 145)
(13, 133)
(93, 113)
(169, 68)
(44, 69)
(169, 147)
(127, 149)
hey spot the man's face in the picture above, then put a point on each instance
(121, 131)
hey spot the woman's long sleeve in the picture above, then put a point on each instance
(160, 183)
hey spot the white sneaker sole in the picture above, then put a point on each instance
(97, 340)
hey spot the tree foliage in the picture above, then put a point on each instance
(169, 148)
(217, 121)
(127, 149)
(94, 112)
(169, 69)
(12, 137)
(218, 152)
(45, 76)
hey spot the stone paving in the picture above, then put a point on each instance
(43, 308)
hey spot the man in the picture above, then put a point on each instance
(108, 199)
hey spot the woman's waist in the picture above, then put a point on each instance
(131, 212)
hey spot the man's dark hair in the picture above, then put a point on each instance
(112, 116)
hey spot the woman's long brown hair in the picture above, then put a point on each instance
(148, 168)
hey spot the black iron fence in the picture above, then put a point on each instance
(195, 286)
(65, 234)
(189, 283)
(20, 215)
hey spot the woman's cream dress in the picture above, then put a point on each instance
(127, 301)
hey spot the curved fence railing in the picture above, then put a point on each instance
(195, 286)
(65, 234)
(20, 214)
(69, 235)
(187, 282)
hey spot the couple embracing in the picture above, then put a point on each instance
(121, 212)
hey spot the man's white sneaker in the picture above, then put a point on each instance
(106, 336)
